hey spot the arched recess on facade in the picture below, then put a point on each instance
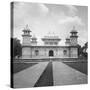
(51, 53)
(36, 52)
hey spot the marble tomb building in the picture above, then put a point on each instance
(50, 47)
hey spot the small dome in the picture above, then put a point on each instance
(27, 28)
(73, 30)
(34, 37)
(68, 37)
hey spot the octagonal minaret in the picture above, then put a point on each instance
(73, 37)
(26, 36)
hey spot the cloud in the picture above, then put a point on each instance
(30, 8)
(24, 12)
(67, 15)
(71, 20)
(44, 18)
(72, 10)
(43, 8)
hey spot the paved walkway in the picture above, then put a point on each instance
(28, 77)
(48, 74)
(65, 75)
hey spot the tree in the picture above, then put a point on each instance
(84, 49)
(16, 49)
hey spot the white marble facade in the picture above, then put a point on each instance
(50, 48)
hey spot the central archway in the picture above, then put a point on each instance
(51, 53)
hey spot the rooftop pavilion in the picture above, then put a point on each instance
(51, 39)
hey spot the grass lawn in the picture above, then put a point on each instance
(80, 66)
(17, 67)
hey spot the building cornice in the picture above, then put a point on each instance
(49, 46)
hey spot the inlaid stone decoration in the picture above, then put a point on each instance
(49, 44)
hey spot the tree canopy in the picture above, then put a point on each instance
(82, 51)
(16, 49)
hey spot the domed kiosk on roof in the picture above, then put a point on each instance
(74, 30)
(34, 40)
(67, 41)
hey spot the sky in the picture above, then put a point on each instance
(55, 18)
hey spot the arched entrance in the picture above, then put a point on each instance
(51, 53)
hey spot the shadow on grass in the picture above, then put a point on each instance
(17, 67)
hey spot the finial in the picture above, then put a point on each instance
(26, 26)
(73, 27)
(49, 33)
(53, 33)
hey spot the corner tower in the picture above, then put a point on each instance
(73, 37)
(26, 36)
